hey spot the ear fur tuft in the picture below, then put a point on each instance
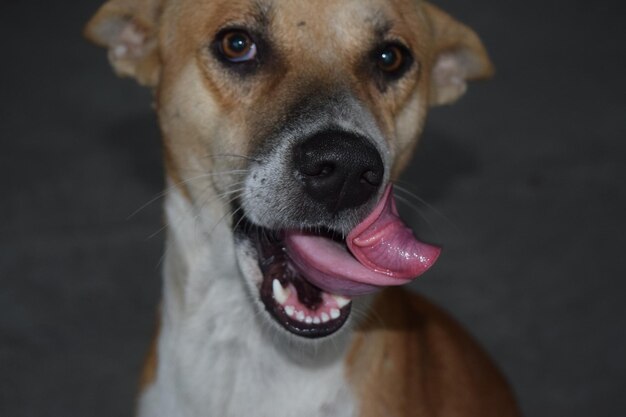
(128, 29)
(460, 56)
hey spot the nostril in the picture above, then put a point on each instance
(322, 169)
(371, 177)
(327, 170)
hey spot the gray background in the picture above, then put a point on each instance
(525, 177)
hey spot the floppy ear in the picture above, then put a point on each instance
(128, 29)
(459, 57)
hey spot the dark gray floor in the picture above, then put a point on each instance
(526, 176)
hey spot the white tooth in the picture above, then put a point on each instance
(280, 294)
(289, 310)
(325, 317)
(334, 313)
(308, 320)
(316, 320)
(300, 315)
(341, 301)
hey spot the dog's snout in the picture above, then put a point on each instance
(339, 169)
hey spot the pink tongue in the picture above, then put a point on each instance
(385, 253)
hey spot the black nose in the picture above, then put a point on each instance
(339, 169)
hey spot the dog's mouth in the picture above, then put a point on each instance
(311, 276)
(294, 302)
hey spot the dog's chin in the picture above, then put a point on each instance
(290, 303)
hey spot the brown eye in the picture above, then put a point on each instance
(237, 46)
(391, 58)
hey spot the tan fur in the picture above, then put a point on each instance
(456, 39)
(149, 369)
(408, 358)
(186, 26)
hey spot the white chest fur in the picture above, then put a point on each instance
(218, 355)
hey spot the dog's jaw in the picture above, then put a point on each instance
(299, 326)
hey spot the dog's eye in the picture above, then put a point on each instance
(393, 60)
(237, 46)
(390, 58)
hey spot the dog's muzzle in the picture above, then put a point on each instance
(319, 211)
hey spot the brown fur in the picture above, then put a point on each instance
(408, 358)
(149, 369)
(182, 30)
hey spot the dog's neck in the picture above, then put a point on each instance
(215, 355)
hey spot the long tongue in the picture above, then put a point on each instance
(383, 243)
(385, 253)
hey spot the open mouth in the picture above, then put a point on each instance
(299, 306)
(311, 276)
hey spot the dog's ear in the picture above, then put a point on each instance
(128, 29)
(459, 57)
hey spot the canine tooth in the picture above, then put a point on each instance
(290, 310)
(308, 320)
(316, 320)
(325, 317)
(300, 315)
(280, 294)
(334, 313)
(341, 301)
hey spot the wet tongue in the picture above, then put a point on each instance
(384, 250)
(383, 243)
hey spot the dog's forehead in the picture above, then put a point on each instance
(329, 18)
(326, 13)
(317, 24)
(326, 31)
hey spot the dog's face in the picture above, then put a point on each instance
(300, 113)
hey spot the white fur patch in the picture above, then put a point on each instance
(218, 353)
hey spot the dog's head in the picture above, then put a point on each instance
(298, 114)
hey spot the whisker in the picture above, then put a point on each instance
(428, 206)
(417, 211)
(186, 181)
(159, 230)
(229, 191)
(217, 197)
(229, 212)
(231, 155)
(239, 221)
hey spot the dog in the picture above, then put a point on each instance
(285, 123)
